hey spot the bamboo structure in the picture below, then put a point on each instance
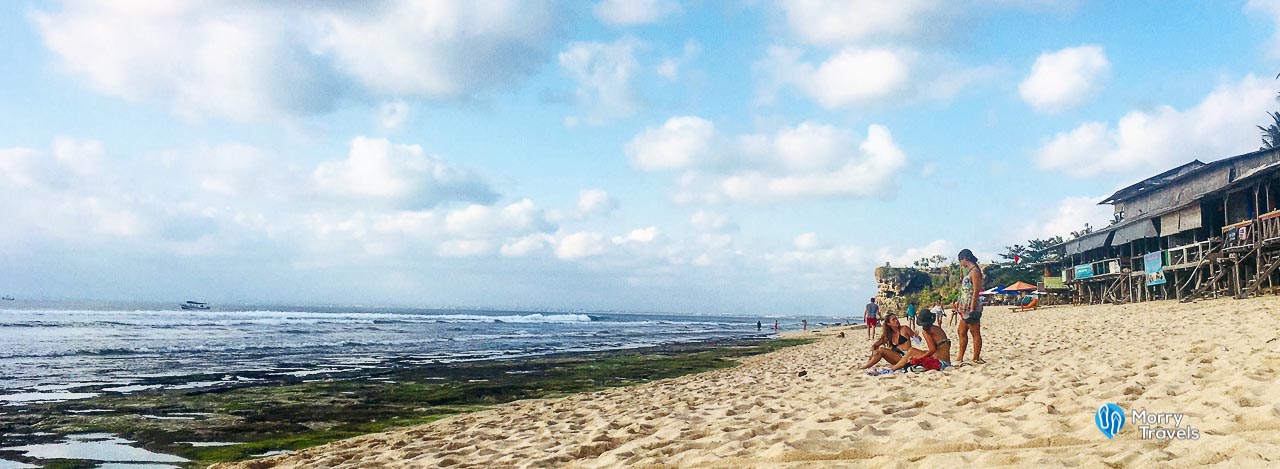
(1207, 229)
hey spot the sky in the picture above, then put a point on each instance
(643, 155)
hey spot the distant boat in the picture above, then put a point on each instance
(6, 298)
(194, 305)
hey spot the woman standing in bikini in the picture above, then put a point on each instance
(893, 344)
(969, 307)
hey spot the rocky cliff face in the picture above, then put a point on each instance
(895, 282)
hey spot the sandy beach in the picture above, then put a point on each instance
(1032, 404)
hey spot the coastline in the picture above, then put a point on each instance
(1032, 404)
(257, 417)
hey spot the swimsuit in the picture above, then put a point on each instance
(972, 313)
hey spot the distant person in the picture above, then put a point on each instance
(775, 324)
(871, 317)
(759, 327)
(911, 315)
(804, 324)
(893, 344)
(969, 307)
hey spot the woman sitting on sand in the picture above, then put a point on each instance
(891, 346)
(934, 340)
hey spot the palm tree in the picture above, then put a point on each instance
(1271, 133)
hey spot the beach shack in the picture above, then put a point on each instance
(1197, 230)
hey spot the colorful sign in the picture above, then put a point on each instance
(1153, 264)
(1084, 271)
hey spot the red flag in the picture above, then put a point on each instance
(1017, 259)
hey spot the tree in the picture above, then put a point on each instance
(1271, 133)
(1078, 234)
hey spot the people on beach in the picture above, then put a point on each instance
(969, 307)
(804, 324)
(870, 317)
(759, 326)
(911, 315)
(934, 341)
(893, 343)
(775, 324)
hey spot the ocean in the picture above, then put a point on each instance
(60, 350)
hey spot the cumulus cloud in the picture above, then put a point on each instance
(806, 161)
(670, 67)
(487, 221)
(856, 76)
(263, 60)
(638, 236)
(679, 143)
(592, 202)
(832, 22)
(711, 222)
(581, 244)
(1071, 214)
(1065, 78)
(1222, 124)
(604, 72)
(404, 175)
(634, 12)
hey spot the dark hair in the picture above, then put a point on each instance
(967, 255)
(925, 319)
(873, 299)
(884, 330)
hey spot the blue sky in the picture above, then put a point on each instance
(696, 156)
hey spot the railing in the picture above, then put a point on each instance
(1269, 228)
(1238, 236)
(1187, 256)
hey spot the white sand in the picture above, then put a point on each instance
(1031, 405)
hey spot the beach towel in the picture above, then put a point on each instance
(928, 363)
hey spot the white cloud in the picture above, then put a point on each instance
(711, 222)
(526, 246)
(580, 245)
(638, 235)
(405, 175)
(807, 241)
(486, 221)
(256, 61)
(834, 22)
(592, 202)
(857, 76)
(681, 142)
(1222, 124)
(604, 72)
(1270, 9)
(1065, 78)
(634, 12)
(1071, 214)
(807, 161)
(393, 114)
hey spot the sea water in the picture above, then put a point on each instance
(64, 350)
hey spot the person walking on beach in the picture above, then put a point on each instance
(969, 307)
(804, 324)
(775, 324)
(759, 326)
(911, 315)
(871, 317)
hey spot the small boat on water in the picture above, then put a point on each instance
(6, 298)
(194, 305)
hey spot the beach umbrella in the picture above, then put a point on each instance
(1020, 286)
